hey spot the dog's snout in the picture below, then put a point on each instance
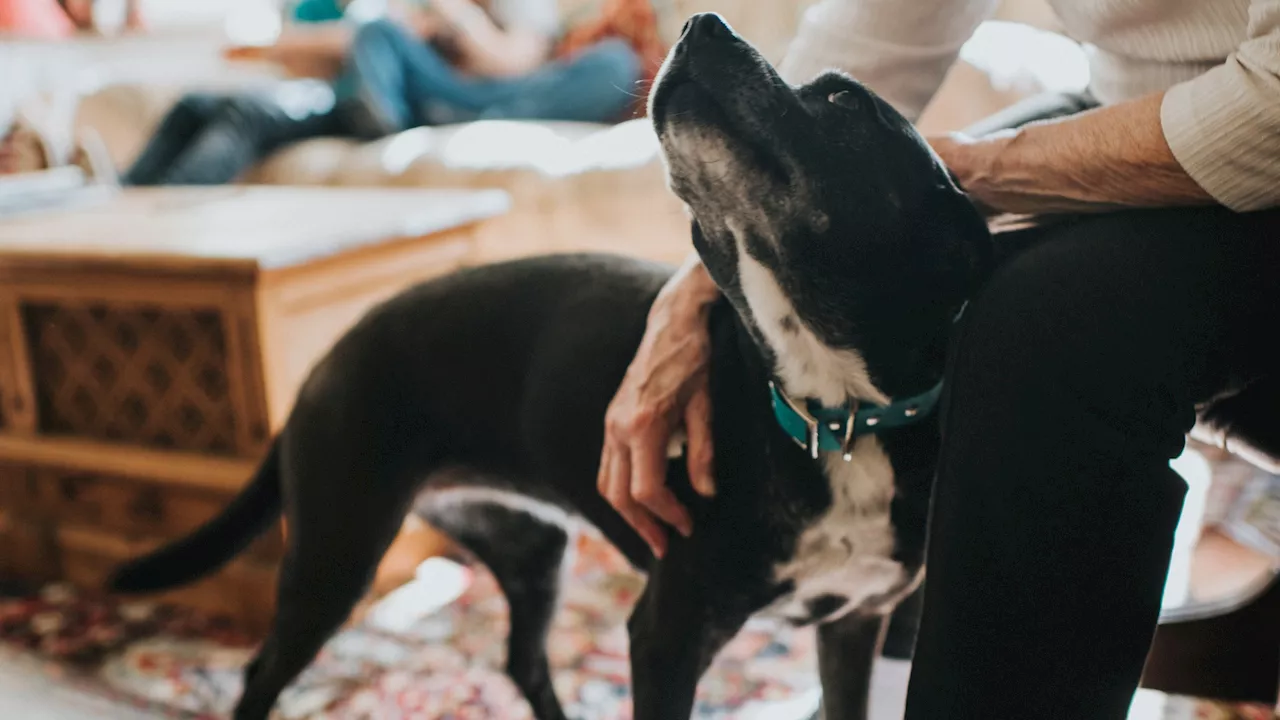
(707, 26)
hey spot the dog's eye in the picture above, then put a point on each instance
(843, 98)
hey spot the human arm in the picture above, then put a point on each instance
(1210, 139)
(665, 388)
(1104, 159)
(492, 51)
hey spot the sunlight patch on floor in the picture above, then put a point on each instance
(437, 583)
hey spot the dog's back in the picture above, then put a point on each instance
(477, 400)
(473, 362)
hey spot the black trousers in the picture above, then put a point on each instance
(1073, 378)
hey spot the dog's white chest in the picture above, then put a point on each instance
(844, 561)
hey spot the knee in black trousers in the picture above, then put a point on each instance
(1072, 382)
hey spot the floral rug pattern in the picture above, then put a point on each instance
(447, 664)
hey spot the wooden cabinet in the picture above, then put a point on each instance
(151, 346)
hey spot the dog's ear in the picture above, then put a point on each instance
(845, 98)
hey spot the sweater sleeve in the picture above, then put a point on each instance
(901, 50)
(1224, 126)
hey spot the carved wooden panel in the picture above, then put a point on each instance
(77, 526)
(243, 590)
(7, 379)
(144, 375)
(20, 491)
(121, 506)
(16, 410)
(28, 550)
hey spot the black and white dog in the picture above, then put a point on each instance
(844, 250)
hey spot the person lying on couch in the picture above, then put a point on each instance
(451, 61)
(485, 62)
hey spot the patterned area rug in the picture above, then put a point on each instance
(444, 665)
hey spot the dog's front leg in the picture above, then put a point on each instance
(674, 636)
(847, 648)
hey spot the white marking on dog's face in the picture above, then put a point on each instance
(807, 366)
(698, 147)
(703, 170)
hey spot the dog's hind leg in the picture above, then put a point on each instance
(336, 536)
(675, 634)
(847, 649)
(525, 550)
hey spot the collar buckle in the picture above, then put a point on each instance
(846, 447)
(810, 422)
(813, 426)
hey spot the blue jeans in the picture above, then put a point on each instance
(404, 82)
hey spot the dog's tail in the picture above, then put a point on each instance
(212, 545)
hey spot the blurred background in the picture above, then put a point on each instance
(198, 196)
(121, 66)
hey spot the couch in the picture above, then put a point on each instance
(574, 186)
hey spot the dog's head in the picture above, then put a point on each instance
(819, 205)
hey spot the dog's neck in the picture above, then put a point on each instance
(804, 365)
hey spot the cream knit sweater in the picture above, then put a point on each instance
(1218, 60)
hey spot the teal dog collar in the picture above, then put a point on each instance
(823, 429)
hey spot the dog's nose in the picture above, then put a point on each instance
(706, 26)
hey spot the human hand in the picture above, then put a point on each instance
(969, 160)
(425, 24)
(665, 387)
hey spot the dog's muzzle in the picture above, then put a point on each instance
(699, 35)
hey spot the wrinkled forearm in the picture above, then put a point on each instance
(1108, 158)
